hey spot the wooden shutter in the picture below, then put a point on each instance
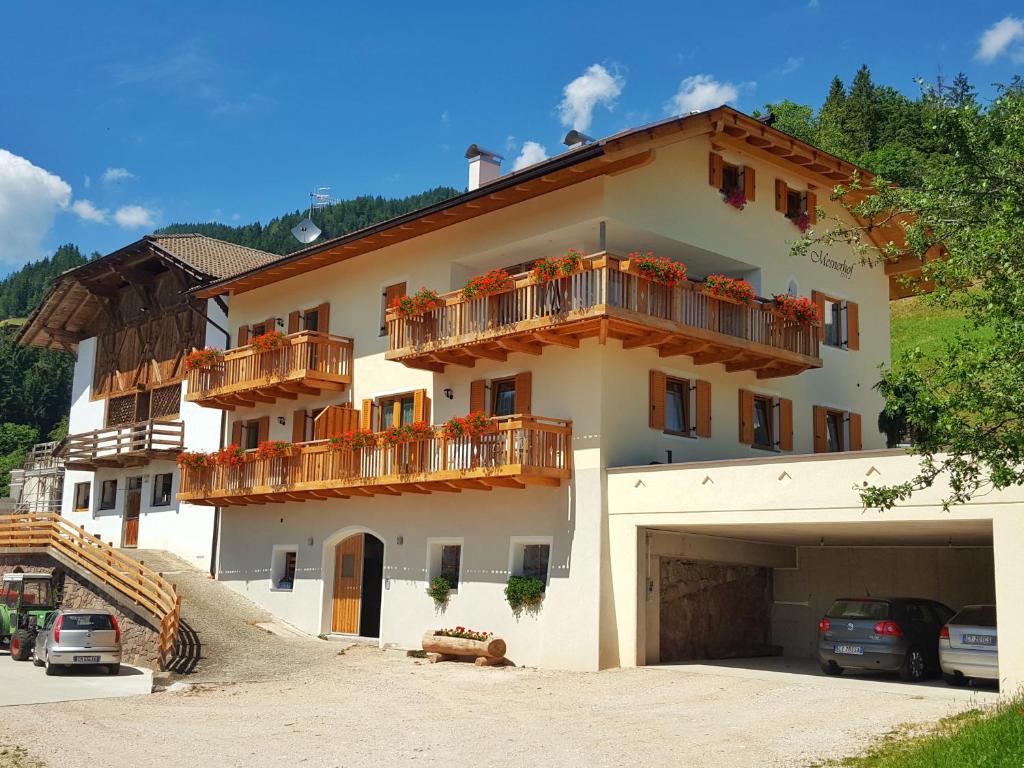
(749, 185)
(299, 426)
(812, 207)
(703, 409)
(236, 433)
(335, 420)
(323, 317)
(420, 406)
(478, 396)
(271, 324)
(391, 293)
(746, 417)
(656, 418)
(263, 428)
(818, 298)
(785, 424)
(366, 415)
(293, 321)
(781, 192)
(243, 335)
(715, 170)
(852, 325)
(524, 392)
(855, 436)
(820, 430)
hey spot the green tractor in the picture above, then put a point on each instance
(26, 601)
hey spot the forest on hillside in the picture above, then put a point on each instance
(872, 125)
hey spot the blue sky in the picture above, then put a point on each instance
(119, 117)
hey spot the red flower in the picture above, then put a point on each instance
(470, 425)
(203, 358)
(730, 287)
(484, 285)
(797, 308)
(658, 269)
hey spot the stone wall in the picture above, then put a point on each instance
(714, 611)
(140, 638)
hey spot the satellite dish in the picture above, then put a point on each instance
(306, 231)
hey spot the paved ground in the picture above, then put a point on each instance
(25, 683)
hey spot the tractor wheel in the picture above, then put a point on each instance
(21, 645)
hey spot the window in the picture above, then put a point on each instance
(836, 430)
(250, 436)
(395, 411)
(162, 489)
(833, 323)
(387, 298)
(108, 494)
(82, 496)
(728, 177)
(282, 568)
(763, 423)
(445, 559)
(840, 326)
(257, 329)
(732, 178)
(503, 397)
(793, 203)
(796, 204)
(311, 319)
(159, 403)
(677, 406)
(535, 560)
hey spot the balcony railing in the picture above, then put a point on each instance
(517, 451)
(307, 362)
(607, 298)
(128, 445)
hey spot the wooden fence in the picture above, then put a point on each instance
(113, 444)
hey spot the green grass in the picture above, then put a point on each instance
(991, 738)
(12, 321)
(918, 324)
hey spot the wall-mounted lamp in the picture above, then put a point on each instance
(448, 393)
(280, 322)
(399, 540)
(280, 420)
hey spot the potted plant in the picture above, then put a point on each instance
(439, 590)
(657, 269)
(230, 456)
(799, 309)
(267, 341)
(495, 281)
(470, 425)
(406, 433)
(421, 302)
(195, 460)
(734, 288)
(524, 593)
(203, 358)
(350, 441)
(545, 270)
(802, 222)
(736, 198)
(459, 641)
(273, 449)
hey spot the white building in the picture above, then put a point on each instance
(130, 322)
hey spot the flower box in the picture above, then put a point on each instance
(406, 433)
(799, 309)
(421, 302)
(731, 288)
(495, 281)
(196, 460)
(274, 449)
(546, 270)
(203, 358)
(448, 647)
(268, 341)
(350, 441)
(657, 269)
(470, 425)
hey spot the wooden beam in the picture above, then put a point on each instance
(716, 356)
(504, 482)
(682, 348)
(557, 339)
(646, 340)
(519, 346)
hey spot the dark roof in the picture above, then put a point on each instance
(216, 258)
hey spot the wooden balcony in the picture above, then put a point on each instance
(305, 364)
(605, 299)
(128, 445)
(518, 451)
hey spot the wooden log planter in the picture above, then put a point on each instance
(487, 653)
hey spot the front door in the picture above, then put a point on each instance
(348, 581)
(132, 504)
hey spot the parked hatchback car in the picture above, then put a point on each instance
(967, 646)
(77, 637)
(892, 634)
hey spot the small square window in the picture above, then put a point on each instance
(311, 319)
(503, 397)
(677, 406)
(796, 204)
(445, 559)
(282, 568)
(250, 436)
(108, 494)
(82, 496)
(535, 560)
(764, 428)
(732, 178)
(395, 411)
(162, 489)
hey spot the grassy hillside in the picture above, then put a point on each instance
(918, 324)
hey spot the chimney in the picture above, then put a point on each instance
(576, 138)
(484, 166)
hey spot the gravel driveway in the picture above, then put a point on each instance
(365, 707)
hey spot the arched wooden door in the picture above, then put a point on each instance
(348, 581)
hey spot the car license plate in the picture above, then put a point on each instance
(978, 640)
(87, 659)
(850, 650)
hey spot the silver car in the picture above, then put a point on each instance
(967, 646)
(74, 638)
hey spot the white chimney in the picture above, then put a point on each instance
(484, 166)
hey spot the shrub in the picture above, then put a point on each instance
(439, 590)
(524, 593)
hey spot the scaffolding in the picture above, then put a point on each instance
(39, 486)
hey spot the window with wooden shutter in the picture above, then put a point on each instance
(243, 335)
(294, 318)
(749, 185)
(703, 426)
(820, 429)
(335, 420)
(715, 170)
(420, 406)
(811, 207)
(236, 432)
(781, 196)
(478, 396)
(263, 428)
(366, 415)
(656, 399)
(299, 425)
(852, 325)
(785, 424)
(746, 417)
(855, 434)
(390, 294)
(524, 392)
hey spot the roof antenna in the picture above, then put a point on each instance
(306, 231)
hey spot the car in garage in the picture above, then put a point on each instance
(890, 634)
(72, 638)
(968, 647)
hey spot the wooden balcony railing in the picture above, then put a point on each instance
(516, 452)
(50, 533)
(128, 445)
(305, 363)
(607, 298)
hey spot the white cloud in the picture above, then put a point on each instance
(30, 198)
(700, 92)
(445, 119)
(531, 153)
(595, 86)
(236, 216)
(89, 212)
(1005, 36)
(117, 174)
(135, 217)
(812, 3)
(793, 63)
(88, 181)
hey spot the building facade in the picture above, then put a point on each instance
(604, 365)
